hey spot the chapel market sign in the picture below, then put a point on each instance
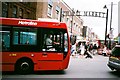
(85, 13)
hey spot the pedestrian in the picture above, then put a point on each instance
(88, 54)
(79, 48)
(90, 47)
(94, 49)
(82, 47)
(73, 49)
(86, 48)
(105, 50)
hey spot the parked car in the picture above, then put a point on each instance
(114, 58)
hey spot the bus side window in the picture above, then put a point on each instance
(27, 36)
(5, 39)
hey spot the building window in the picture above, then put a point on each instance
(28, 4)
(20, 13)
(74, 26)
(50, 5)
(4, 9)
(62, 17)
(49, 10)
(71, 24)
(14, 13)
(79, 29)
(28, 15)
(67, 21)
(57, 12)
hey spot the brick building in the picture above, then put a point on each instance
(26, 10)
(55, 10)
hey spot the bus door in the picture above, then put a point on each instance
(53, 45)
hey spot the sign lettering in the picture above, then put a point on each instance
(85, 13)
(27, 23)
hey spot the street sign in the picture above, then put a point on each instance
(85, 13)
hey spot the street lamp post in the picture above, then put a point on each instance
(72, 20)
(106, 24)
(61, 14)
(111, 15)
(110, 25)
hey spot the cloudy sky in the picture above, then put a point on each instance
(97, 24)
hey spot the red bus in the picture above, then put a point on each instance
(24, 48)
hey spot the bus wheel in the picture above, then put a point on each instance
(24, 66)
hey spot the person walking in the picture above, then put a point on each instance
(94, 49)
(87, 53)
(82, 48)
(104, 51)
(90, 47)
